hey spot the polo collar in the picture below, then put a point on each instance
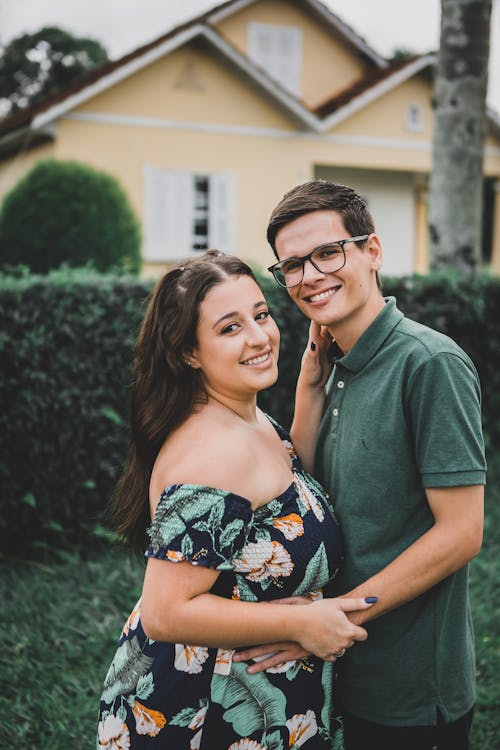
(371, 340)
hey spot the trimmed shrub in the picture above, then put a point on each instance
(63, 212)
(66, 345)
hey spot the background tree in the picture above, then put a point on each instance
(66, 212)
(34, 66)
(456, 186)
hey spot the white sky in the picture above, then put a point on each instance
(123, 25)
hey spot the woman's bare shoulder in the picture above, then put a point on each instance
(201, 454)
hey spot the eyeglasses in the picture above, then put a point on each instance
(327, 258)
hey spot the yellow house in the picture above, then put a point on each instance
(209, 125)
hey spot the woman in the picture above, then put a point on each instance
(241, 524)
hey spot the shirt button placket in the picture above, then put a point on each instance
(336, 408)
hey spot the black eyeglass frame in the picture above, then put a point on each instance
(304, 258)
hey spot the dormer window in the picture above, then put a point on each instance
(278, 51)
(414, 118)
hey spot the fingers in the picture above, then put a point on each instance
(353, 603)
(259, 652)
(293, 600)
(291, 654)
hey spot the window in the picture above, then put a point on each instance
(414, 118)
(187, 213)
(278, 50)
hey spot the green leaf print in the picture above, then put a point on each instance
(251, 702)
(168, 529)
(231, 532)
(246, 593)
(327, 676)
(196, 502)
(122, 713)
(145, 686)
(128, 665)
(292, 672)
(273, 741)
(184, 717)
(262, 534)
(216, 515)
(316, 574)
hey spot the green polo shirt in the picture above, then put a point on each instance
(402, 413)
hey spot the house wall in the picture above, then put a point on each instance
(13, 169)
(391, 198)
(327, 68)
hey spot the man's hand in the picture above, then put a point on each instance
(270, 655)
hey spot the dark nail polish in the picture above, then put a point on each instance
(313, 346)
(371, 599)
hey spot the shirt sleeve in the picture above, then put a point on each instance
(445, 413)
(201, 525)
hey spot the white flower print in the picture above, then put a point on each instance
(113, 734)
(195, 743)
(147, 720)
(301, 728)
(190, 658)
(291, 526)
(133, 619)
(223, 661)
(289, 446)
(264, 559)
(175, 556)
(279, 668)
(197, 723)
(246, 744)
(198, 719)
(308, 498)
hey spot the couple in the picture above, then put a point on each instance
(387, 416)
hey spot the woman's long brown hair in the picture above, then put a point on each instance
(165, 388)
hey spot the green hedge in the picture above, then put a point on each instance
(65, 343)
(66, 346)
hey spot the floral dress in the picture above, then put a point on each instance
(181, 697)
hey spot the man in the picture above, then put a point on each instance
(400, 450)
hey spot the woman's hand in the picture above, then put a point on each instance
(327, 629)
(273, 655)
(315, 366)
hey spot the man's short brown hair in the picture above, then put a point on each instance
(321, 195)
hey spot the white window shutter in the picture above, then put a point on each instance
(221, 212)
(153, 215)
(179, 212)
(169, 200)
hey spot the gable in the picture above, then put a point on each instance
(328, 63)
(190, 85)
(390, 115)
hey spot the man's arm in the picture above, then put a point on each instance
(453, 540)
(310, 394)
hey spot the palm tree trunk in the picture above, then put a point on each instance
(456, 185)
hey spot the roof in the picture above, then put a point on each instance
(38, 120)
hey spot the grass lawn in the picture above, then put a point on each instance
(60, 624)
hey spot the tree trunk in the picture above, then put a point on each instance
(456, 185)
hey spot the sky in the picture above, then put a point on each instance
(123, 25)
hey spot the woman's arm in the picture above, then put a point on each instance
(310, 394)
(177, 607)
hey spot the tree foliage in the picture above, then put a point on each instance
(34, 66)
(67, 212)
